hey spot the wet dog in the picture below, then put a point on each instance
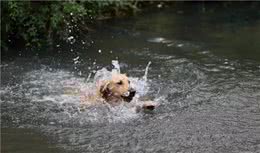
(114, 91)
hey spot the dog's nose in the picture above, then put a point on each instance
(132, 92)
(128, 96)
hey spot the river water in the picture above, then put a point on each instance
(204, 75)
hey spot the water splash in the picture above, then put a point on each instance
(88, 78)
(102, 74)
(54, 96)
(116, 65)
(146, 71)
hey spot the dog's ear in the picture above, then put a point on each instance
(104, 90)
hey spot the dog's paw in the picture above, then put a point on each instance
(148, 105)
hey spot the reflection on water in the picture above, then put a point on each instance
(205, 74)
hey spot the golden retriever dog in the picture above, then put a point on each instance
(114, 91)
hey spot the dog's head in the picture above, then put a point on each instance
(118, 88)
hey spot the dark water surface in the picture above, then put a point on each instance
(205, 74)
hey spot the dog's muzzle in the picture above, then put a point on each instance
(128, 96)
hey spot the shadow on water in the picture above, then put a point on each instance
(204, 74)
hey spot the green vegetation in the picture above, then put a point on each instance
(35, 23)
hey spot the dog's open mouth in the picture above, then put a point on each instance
(128, 96)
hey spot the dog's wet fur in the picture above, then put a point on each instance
(117, 89)
(114, 91)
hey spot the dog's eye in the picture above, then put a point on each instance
(120, 82)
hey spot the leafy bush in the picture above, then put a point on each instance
(33, 23)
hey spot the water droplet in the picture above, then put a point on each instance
(205, 52)
(80, 73)
(76, 58)
(99, 51)
(179, 45)
(70, 38)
